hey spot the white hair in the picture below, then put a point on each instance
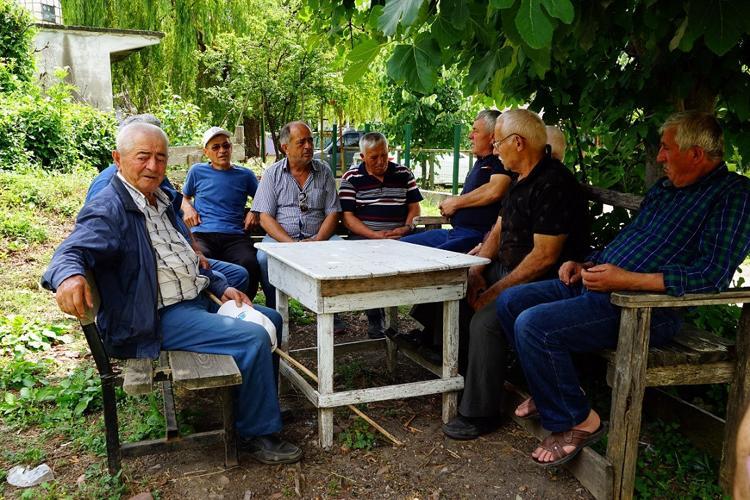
(527, 124)
(126, 135)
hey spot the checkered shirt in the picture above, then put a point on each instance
(176, 263)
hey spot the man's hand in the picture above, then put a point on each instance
(448, 206)
(396, 233)
(476, 284)
(570, 271)
(252, 220)
(481, 300)
(475, 250)
(189, 215)
(202, 261)
(238, 297)
(606, 278)
(74, 296)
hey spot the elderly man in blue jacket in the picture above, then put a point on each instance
(151, 287)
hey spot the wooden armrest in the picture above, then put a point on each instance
(639, 299)
(430, 220)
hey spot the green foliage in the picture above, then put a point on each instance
(16, 33)
(299, 315)
(19, 336)
(52, 131)
(720, 319)
(358, 436)
(670, 467)
(181, 120)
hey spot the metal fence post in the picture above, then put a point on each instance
(262, 140)
(456, 156)
(334, 149)
(367, 128)
(407, 144)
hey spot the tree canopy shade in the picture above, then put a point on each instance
(608, 71)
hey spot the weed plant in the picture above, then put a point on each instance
(358, 436)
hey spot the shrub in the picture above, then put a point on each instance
(16, 33)
(181, 120)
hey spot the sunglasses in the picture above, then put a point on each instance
(302, 198)
(225, 145)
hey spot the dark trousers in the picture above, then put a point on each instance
(235, 248)
(430, 316)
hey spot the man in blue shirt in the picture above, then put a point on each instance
(473, 213)
(217, 218)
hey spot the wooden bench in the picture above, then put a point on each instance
(180, 369)
(692, 357)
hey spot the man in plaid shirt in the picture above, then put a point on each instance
(691, 233)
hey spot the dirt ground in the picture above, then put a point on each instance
(429, 465)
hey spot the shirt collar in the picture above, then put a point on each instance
(313, 164)
(719, 171)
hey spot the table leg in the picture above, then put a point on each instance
(282, 307)
(450, 356)
(325, 378)
(391, 321)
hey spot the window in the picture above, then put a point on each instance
(48, 13)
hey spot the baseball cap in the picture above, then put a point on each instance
(213, 132)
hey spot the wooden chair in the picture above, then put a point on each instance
(183, 369)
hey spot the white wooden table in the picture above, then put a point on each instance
(335, 276)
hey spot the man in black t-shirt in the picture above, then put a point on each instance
(543, 222)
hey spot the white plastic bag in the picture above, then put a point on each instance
(247, 313)
(23, 477)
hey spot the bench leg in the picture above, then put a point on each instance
(325, 378)
(627, 398)
(450, 356)
(110, 424)
(230, 434)
(170, 414)
(739, 396)
(391, 321)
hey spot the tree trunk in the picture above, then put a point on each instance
(252, 137)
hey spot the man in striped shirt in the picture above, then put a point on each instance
(691, 233)
(379, 199)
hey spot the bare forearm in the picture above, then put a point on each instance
(273, 228)
(358, 227)
(532, 267)
(414, 211)
(328, 227)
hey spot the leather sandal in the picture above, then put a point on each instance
(574, 437)
(533, 413)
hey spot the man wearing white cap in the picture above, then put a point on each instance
(217, 218)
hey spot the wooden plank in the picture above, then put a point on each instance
(391, 323)
(707, 346)
(299, 382)
(613, 198)
(152, 446)
(450, 357)
(194, 370)
(325, 379)
(331, 288)
(385, 393)
(138, 376)
(367, 300)
(739, 397)
(366, 345)
(430, 220)
(627, 398)
(591, 469)
(638, 299)
(294, 283)
(721, 372)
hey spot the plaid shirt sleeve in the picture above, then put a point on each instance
(723, 245)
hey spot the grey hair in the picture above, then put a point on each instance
(371, 139)
(286, 131)
(489, 118)
(126, 135)
(556, 141)
(697, 128)
(527, 124)
(142, 118)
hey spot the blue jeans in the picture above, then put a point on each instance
(458, 239)
(235, 275)
(546, 321)
(193, 325)
(268, 289)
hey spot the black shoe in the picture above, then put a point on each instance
(465, 428)
(417, 338)
(339, 325)
(271, 449)
(374, 334)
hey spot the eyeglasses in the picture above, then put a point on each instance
(302, 198)
(225, 145)
(496, 144)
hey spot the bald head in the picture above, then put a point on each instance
(556, 140)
